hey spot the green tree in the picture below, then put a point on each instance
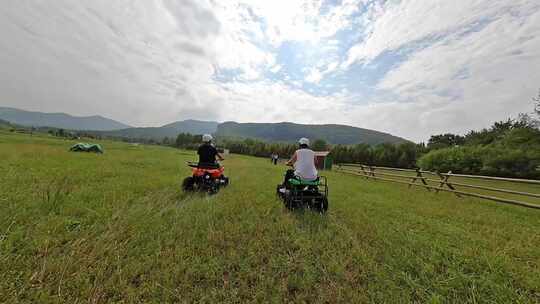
(319, 145)
(408, 152)
(444, 141)
(362, 154)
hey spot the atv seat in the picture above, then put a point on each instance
(298, 182)
(204, 165)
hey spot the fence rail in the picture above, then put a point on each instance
(422, 178)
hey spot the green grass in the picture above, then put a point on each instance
(78, 227)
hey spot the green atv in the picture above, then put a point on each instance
(300, 194)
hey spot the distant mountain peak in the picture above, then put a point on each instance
(208, 126)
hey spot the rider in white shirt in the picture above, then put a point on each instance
(303, 162)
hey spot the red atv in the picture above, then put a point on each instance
(206, 177)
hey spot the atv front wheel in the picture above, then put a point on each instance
(188, 184)
(288, 201)
(213, 189)
(323, 205)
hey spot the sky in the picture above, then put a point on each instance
(411, 68)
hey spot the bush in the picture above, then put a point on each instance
(488, 160)
(516, 163)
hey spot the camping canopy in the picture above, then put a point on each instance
(84, 147)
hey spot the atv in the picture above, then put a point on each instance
(205, 178)
(300, 194)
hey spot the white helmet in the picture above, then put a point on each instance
(207, 138)
(303, 141)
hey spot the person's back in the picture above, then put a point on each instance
(303, 161)
(207, 152)
(304, 167)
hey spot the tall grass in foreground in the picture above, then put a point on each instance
(78, 227)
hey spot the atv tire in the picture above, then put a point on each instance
(289, 202)
(323, 205)
(213, 189)
(188, 184)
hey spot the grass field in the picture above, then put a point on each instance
(86, 228)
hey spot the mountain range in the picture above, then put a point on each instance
(59, 120)
(273, 132)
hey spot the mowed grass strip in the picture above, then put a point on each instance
(77, 227)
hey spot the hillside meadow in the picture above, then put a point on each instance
(87, 228)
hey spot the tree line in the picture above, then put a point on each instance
(402, 155)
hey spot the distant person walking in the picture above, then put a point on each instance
(275, 158)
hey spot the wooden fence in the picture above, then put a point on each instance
(435, 181)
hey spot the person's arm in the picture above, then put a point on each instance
(292, 160)
(219, 156)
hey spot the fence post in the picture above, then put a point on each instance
(449, 185)
(444, 181)
(372, 172)
(422, 178)
(364, 171)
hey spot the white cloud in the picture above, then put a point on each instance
(400, 23)
(266, 101)
(276, 68)
(488, 75)
(301, 20)
(314, 76)
(236, 46)
(119, 59)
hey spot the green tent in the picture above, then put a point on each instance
(84, 147)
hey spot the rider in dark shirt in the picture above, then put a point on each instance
(207, 152)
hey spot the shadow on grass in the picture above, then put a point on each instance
(186, 153)
(309, 220)
(182, 195)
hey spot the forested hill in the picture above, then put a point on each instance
(5, 124)
(170, 130)
(289, 132)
